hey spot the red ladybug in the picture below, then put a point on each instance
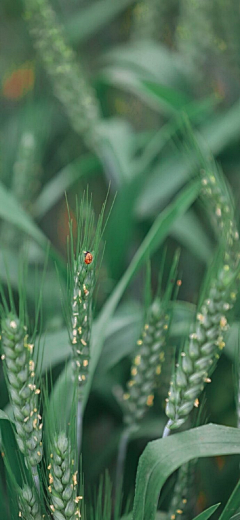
(88, 257)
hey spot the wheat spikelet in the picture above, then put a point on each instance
(19, 369)
(29, 508)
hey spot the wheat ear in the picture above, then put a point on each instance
(206, 342)
(83, 286)
(146, 364)
(179, 503)
(29, 508)
(63, 481)
(20, 376)
(68, 78)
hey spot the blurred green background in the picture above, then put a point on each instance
(150, 64)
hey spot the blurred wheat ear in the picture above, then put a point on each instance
(68, 77)
(206, 341)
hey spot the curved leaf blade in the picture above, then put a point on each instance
(232, 504)
(162, 457)
(207, 513)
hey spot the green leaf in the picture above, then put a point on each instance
(188, 231)
(151, 61)
(203, 516)
(91, 19)
(53, 348)
(173, 171)
(115, 149)
(11, 211)
(151, 242)
(207, 513)
(232, 504)
(162, 457)
(151, 198)
(174, 98)
(122, 334)
(64, 179)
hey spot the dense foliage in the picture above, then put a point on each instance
(119, 264)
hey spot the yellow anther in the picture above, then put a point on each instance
(223, 322)
(137, 360)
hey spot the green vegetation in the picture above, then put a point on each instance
(120, 260)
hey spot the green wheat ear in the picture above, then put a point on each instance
(69, 81)
(84, 260)
(182, 489)
(150, 356)
(63, 481)
(206, 341)
(24, 394)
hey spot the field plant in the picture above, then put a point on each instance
(120, 260)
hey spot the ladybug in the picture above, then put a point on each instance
(88, 257)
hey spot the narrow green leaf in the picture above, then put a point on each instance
(64, 179)
(207, 513)
(11, 211)
(175, 98)
(232, 504)
(188, 231)
(162, 457)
